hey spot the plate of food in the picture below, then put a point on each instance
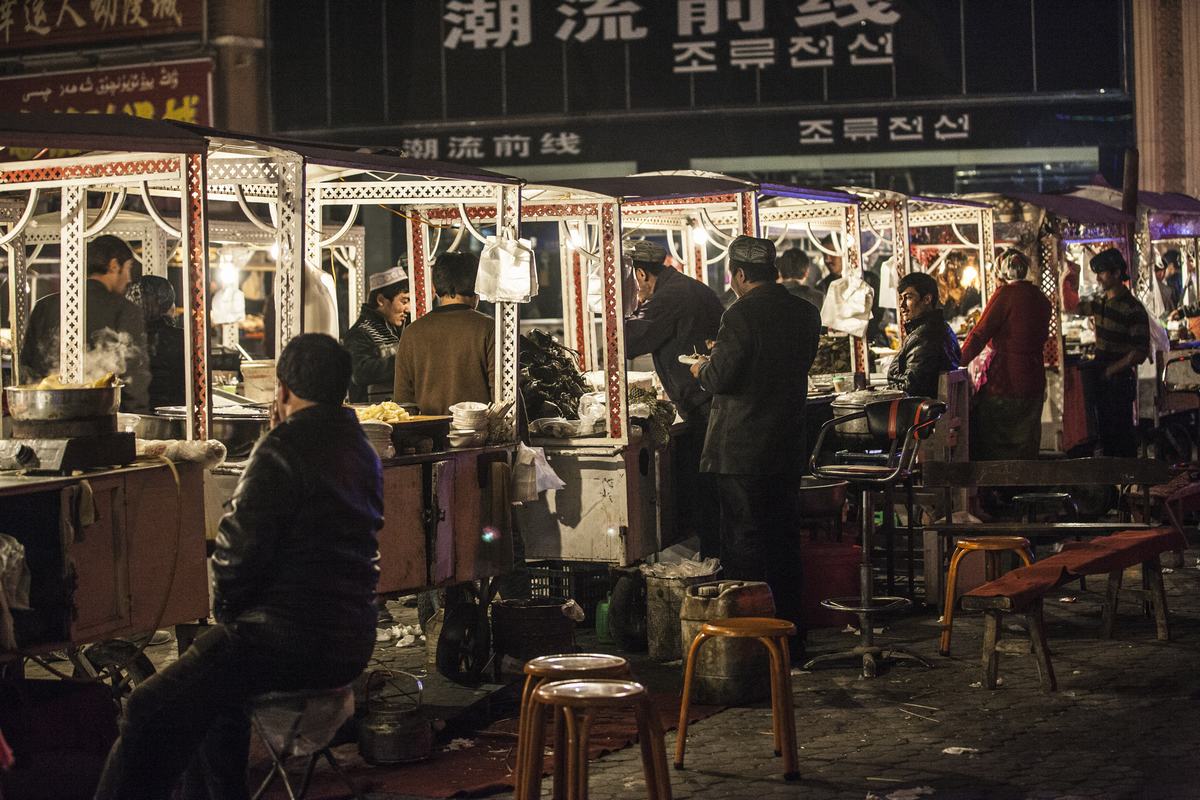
(689, 360)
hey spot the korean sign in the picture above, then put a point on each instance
(41, 24)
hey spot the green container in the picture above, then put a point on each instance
(602, 635)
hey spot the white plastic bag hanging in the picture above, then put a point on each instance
(847, 306)
(506, 271)
(533, 474)
(887, 284)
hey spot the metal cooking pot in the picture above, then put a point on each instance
(29, 402)
(820, 497)
(394, 733)
(853, 402)
(238, 432)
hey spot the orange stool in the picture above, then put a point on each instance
(540, 671)
(992, 547)
(773, 634)
(577, 702)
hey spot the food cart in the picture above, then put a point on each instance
(1055, 231)
(118, 549)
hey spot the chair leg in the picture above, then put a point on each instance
(1041, 649)
(342, 775)
(782, 709)
(948, 605)
(1152, 569)
(523, 734)
(1111, 597)
(991, 659)
(309, 770)
(277, 767)
(689, 674)
(530, 786)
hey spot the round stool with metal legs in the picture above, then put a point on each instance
(540, 671)
(773, 633)
(576, 702)
(991, 547)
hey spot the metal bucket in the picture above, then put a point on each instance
(30, 402)
(728, 671)
(664, 597)
(394, 732)
(852, 402)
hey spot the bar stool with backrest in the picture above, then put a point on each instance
(538, 672)
(301, 724)
(897, 427)
(577, 702)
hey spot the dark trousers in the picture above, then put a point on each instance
(1114, 415)
(697, 507)
(759, 537)
(189, 721)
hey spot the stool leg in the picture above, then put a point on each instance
(577, 756)
(1152, 569)
(1111, 597)
(530, 787)
(654, 750)
(689, 673)
(1025, 555)
(561, 779)
(991, 659)
(523, 734)
(948, 605)
(782, 710)
(1041, 650)
(776, 717)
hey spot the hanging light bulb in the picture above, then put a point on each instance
(274, 251)
(699, 235)
(575, 237)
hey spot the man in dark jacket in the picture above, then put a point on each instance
(930, 347)
(758, 376)
(165, 343)
(116, 330)
(373, 339)
(793, 265)
(678, 316)
(294, 577)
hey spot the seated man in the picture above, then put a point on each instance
(930, 347)
(294, 578)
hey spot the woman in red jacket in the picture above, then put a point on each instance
(1007, 414)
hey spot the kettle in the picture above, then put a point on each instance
(391, 732)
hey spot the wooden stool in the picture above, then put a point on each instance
(773, 634)
(577, 701)
(991, 546)
(546, 669)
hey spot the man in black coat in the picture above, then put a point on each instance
(294, 577)
(678, 315)
(758, 375)
(373, 339)
(930, 347)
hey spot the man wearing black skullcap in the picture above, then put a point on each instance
(758, 375)
(677, 315)
(1122, 342)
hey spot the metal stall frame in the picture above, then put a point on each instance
(121, 154)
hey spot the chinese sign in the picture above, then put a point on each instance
(170, 90)
(540, 147)
(41, 24)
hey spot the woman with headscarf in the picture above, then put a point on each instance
(164, 341)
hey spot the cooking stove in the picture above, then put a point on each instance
(64, 446)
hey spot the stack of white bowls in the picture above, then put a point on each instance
(468, 424)
(379, 434)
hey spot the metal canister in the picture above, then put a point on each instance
(394, 732)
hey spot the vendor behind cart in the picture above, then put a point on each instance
(373, 339)
(116, 329)
(447, 356)
(677, 316)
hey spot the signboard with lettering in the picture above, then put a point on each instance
(180, 90)
(43, 24)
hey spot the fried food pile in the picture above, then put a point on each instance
(55, 381)
(386, 411)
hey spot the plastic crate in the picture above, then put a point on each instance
(585, 582)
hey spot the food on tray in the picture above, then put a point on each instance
(386, 411)
(551, 382)
(55, 381)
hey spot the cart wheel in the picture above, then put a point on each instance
(464, 644)
(1172, 443)
(116, 663)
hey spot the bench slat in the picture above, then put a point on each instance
(1060, 472)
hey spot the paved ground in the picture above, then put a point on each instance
(1122, 725)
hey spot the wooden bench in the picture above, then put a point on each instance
(949, 477)
(1022, 591)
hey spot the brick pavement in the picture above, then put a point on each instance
(1122, 724)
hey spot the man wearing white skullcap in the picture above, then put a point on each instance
(373, 339)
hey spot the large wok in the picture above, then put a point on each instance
(32, 403)
(237, 431)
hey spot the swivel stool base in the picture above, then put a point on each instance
(870, 653)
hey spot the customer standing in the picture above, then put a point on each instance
(1122, 342)
(294, 577)
(1006, 420)
(677, 316)
(930, 347)
(758, 376)
(447, 356)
